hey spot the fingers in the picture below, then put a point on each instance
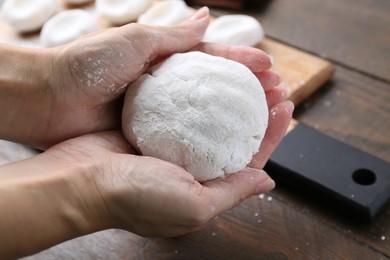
(268, 79)
(158, 41)
(279, 120)
(277, 94)
(229, 192)
(255, 59)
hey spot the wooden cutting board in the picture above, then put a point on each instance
(303, 72)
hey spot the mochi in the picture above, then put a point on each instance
(122, 11)
(67, 26)
(165, 12)
(204, 113)
(27, 15)
(236, 29)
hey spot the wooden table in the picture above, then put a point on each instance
(353, 107)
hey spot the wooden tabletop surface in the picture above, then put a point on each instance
(353, 107)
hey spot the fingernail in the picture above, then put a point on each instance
(290, 105)
(266, 183)
(286, 90)
(272, 60)
(202, 12)
(278, 77)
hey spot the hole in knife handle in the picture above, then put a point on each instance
(364, 177)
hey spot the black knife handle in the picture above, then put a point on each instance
(338, 175)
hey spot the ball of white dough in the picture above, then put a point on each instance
(67, 26)
(235, 30)
(28, 15)
(122, 11)
(204, 113)
(165, 12)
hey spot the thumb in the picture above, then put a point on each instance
(160, 41)
(227, 193)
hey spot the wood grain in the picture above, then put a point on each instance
(257, 229)
(352, 108)
(352, 33)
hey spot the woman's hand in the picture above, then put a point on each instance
(96, 182)
(77, 88)
(151, 197)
